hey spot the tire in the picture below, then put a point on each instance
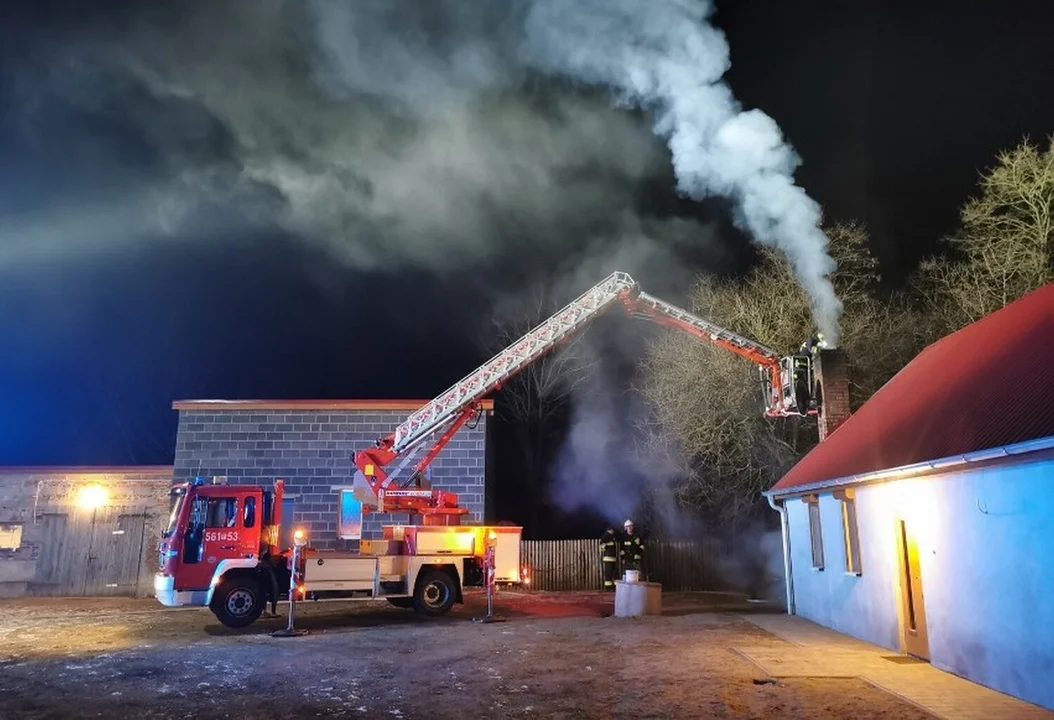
(406, 603)
(238, 601)
(435, 593)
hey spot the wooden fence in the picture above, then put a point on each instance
(575, 564)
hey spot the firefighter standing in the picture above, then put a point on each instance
(609, 558)
(632, 549)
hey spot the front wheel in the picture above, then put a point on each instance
(435, 593)
(238, 601)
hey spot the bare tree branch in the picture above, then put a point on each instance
(541, 389)
(534, 399)
(708, 401)
(1005, 245)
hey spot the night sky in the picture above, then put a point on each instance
(105, 320)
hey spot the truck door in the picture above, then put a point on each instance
(222, 525)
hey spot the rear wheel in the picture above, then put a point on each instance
(238, 601)
(435, 593)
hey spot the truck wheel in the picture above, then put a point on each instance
(238, 601)
(402, 602)
(435, 593)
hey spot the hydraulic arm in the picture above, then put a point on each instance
(781, 380)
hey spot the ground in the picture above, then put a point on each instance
(557, 655)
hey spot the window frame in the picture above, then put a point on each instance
(850, 532)
(15, 531)
(248, 512)
(812, 503)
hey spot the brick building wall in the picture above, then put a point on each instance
(310, 444)
(52, 544)
(832, 374)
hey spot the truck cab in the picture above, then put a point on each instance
(214, 529)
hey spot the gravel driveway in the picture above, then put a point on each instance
(557, 655)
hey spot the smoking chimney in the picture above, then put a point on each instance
(833, 380)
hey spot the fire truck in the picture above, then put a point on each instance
(221, 548)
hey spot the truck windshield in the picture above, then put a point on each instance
(175, 504)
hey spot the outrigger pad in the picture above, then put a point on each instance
(288, 632)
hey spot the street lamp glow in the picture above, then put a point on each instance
(92, 497)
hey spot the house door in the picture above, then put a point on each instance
(914, 639)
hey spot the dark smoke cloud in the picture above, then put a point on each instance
(386, 133)
(407, 131)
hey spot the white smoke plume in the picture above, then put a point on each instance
(398, 131)
(664, 56)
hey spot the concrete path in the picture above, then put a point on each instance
(811, 650)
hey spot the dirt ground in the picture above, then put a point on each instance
(557, 655)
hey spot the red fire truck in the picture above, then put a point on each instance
(221, 550)
(221, 547)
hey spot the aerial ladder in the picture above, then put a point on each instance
(786, 383)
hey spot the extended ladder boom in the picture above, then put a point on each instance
(457, 405)
(488, 377)
(652, 308)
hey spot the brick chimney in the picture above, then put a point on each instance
(833, 380)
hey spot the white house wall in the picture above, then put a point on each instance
(984, 539)
(863, 606)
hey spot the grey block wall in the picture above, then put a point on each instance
(311, 449)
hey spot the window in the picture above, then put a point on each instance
(175, 506)
(288, 520)
(222, 513)
(249, 513)
(849, 534)
(815, 531)
(207, 512)
(349, 526)
(10, 537)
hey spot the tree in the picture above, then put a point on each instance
(708, 399)
(534, 401)
(1005, 245)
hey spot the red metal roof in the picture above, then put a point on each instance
(988, 385)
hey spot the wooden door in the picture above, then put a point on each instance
(913, 607)
(89, 554)
(115, 556)
(63, 550)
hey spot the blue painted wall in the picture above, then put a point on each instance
(985, 538)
